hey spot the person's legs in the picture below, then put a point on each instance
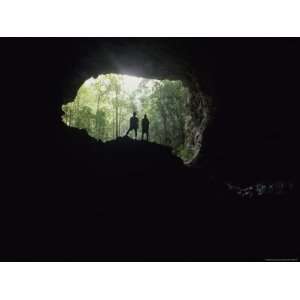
(135, 132)
(147, 134)
(142, 135)
(128, 131)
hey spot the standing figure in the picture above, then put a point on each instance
(145, 127)
(133, 124)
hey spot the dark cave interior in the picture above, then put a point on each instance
(106, 204)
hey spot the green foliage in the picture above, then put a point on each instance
(103, 106)
(164, 103)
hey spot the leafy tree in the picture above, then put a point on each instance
(103, 107)
(165, 105)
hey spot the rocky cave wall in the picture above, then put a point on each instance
(160, 60)
(48, 193)
(245, 89)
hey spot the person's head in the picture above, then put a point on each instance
(145, 116)
(134, 114)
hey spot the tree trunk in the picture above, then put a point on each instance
(97, 119)
(70, 116)
(117, 120)
(113, 125)
(117, 114)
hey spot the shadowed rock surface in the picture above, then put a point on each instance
(121, 156)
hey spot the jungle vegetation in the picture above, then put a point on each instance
(104, 105)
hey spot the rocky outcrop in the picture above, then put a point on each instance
(201, 112)
(122, 156)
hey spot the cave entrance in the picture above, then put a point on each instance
(104, 105)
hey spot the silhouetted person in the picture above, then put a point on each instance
(133, 124)
(145, 127)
